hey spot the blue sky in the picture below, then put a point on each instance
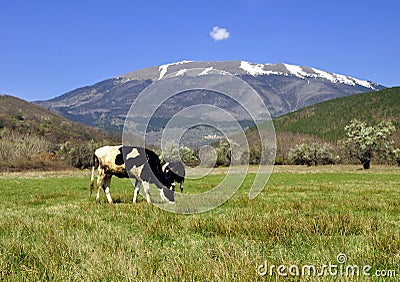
(48, 48)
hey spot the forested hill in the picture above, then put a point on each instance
(328, 119)
(28, 118)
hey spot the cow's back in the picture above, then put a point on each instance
(148, 162)
(111, 160)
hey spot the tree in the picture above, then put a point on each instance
(365, 141)
(396, 155)
(173, 153)
(224, 153)
(311, 154)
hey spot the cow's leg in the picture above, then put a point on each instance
(181, 186)
(173, 186)
(162, 195)
(146, 187)
(136, 191)
(100, 181)
(106, 187)
(91, 181)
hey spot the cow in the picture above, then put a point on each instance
(175, 172)
(140, 163)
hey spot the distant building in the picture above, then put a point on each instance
(213, 137)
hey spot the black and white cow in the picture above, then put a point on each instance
(175, 172)
(140, 163)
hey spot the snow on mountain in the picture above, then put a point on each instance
(339, 78)
(206, 71)
(296, 70)
(181, 72)
(164, 68)
(302, 72)
(253, 69)
(282, 87)
(242, 68)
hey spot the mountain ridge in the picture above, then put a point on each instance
(253, 69)
(283, 87)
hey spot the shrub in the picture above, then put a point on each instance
(279, 161)
(23, 150)
(311, 154)
(78, 155)
(173, 153)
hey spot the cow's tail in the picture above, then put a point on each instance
(95, 163)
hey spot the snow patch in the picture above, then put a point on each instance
(333, 77)
(296, 70)
(253, 69)
(181, 72)
(365, 83)
(344, 79)
(206, 71)
(164, 68)
(339, 78)
(257, 69)
(323, 74)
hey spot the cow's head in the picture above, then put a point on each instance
(174, 172)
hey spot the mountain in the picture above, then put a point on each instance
(283, 88)
(25, 117)
(329, 118)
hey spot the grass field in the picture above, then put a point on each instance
(51, 230)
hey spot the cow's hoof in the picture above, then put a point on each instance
(98, 201)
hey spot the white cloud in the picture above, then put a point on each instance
(219, 34)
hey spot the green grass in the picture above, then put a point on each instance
(51, 230)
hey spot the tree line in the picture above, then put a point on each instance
(363, 144)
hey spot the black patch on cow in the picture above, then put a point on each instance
(152, 170)
(119, 159)
(123, 174)
(178, 168)
(175, 171)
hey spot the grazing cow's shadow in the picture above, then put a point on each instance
(129, 202)
(118, 201)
